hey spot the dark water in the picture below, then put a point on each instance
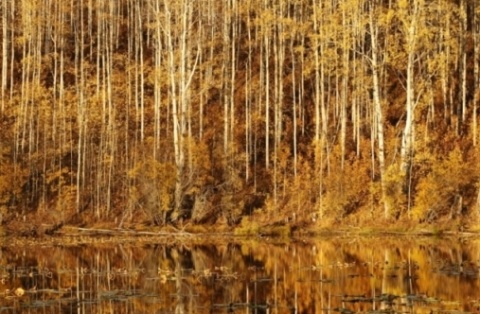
(334, 275)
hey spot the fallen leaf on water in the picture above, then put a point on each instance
(19, 292)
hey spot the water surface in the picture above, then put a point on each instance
(329, 275)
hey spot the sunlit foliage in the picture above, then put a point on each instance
(179, 111)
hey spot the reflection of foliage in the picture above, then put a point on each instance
(201, 277)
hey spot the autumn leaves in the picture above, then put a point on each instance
(313, 106)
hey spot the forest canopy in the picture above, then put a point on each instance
(207, 111)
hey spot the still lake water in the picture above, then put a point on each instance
(321, 275)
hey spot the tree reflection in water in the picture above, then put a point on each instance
(333, 275)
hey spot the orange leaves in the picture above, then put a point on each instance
(445, 180)
(123, 102)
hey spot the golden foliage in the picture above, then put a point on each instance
(152, 189)
(225, 108)
(447, 182)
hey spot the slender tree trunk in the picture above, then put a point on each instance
(345, 84)
(4, 75)
(318, 71)
(248, 103)
(266, 45)
(321, 118)
(177, 116)
(408, 136)
(378, 117)
(81, 110)
(294, 106)
(462, 99)
(476, 71)
(177, 43)
(226, 68)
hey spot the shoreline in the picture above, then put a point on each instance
(74, 236)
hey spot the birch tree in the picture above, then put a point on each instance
(410, 15)
(178, 24)
(375, 62)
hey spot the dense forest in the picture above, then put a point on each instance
(238, 112)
